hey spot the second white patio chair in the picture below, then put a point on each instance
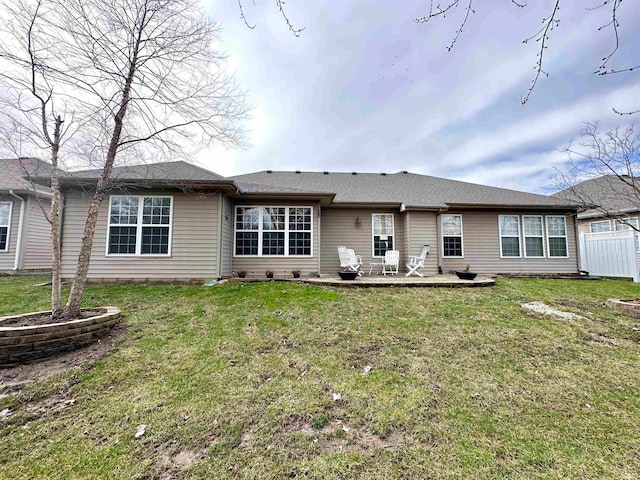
(349, 259)
(391, 262)
(416, 263)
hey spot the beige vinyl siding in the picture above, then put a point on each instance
(481, 244)
(37, 251)
(339, 228)
(227, 236)
(281, 266)
(194, 240)
(423, 228)
(7, 259)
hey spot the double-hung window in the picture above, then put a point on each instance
(5, 224)
(382, 233)
(600, 226)
(273, 231)
(533, 235)
(139, 225)
(509, 228)
(452, 235)
(627, 224)
(557, 236)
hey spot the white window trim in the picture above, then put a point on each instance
(600, 221)
(442, 235)
(525, 236)
(500, 236)
(260, 231)
(615, 223)
(139, 228)
(393, 228)
(565, 236)
(6, 249)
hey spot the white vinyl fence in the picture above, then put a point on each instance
(609, 254)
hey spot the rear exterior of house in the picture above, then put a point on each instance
(205, 226)
(25, 239)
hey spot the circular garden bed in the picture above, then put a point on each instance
(33, 336)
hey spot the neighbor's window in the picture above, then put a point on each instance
(5, 222)
(599, 227)
(557, 236)
(382, 232)
(139, 225)
(509, 229)
(533, 236)
(273, 231)
(626, 224)
(452, 235)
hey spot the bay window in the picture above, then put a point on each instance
(452, 235)
(273, 231)
(5, 223)
(382, 233)
(139, 225)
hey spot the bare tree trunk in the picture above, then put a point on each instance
(74, 301)
(56, 208)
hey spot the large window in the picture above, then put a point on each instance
(139, 225)
(452, 236)
(382, 232)
(627, 224)
(509, 228)
(601, 226)
(533, 236)
(5, 224)
(557, 236)
(273, 231)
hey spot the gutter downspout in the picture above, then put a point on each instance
(16, 263)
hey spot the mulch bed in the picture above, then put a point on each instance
(45, 319)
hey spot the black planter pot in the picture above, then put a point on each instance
(462, 275)
(348, 275)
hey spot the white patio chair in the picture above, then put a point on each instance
(391, 262)
(416, 263)
(349, 259)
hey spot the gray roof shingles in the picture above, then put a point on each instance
(608, 192)
(14, 173)
(165, 171)
(411, 189)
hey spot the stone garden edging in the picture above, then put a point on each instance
(26, 344)
(625, 306)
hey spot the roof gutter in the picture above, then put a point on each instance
(16, 263)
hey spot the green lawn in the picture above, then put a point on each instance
(237, 381)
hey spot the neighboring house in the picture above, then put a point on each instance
(25, 239)
(178, 221)
(613, 205)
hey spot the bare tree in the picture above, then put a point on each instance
(138, 78)
(604, 172)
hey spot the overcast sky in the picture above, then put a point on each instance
(365, 88)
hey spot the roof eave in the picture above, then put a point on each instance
(513, 206)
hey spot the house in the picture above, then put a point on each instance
(25, 239)
(175, 221)
(610, 204)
